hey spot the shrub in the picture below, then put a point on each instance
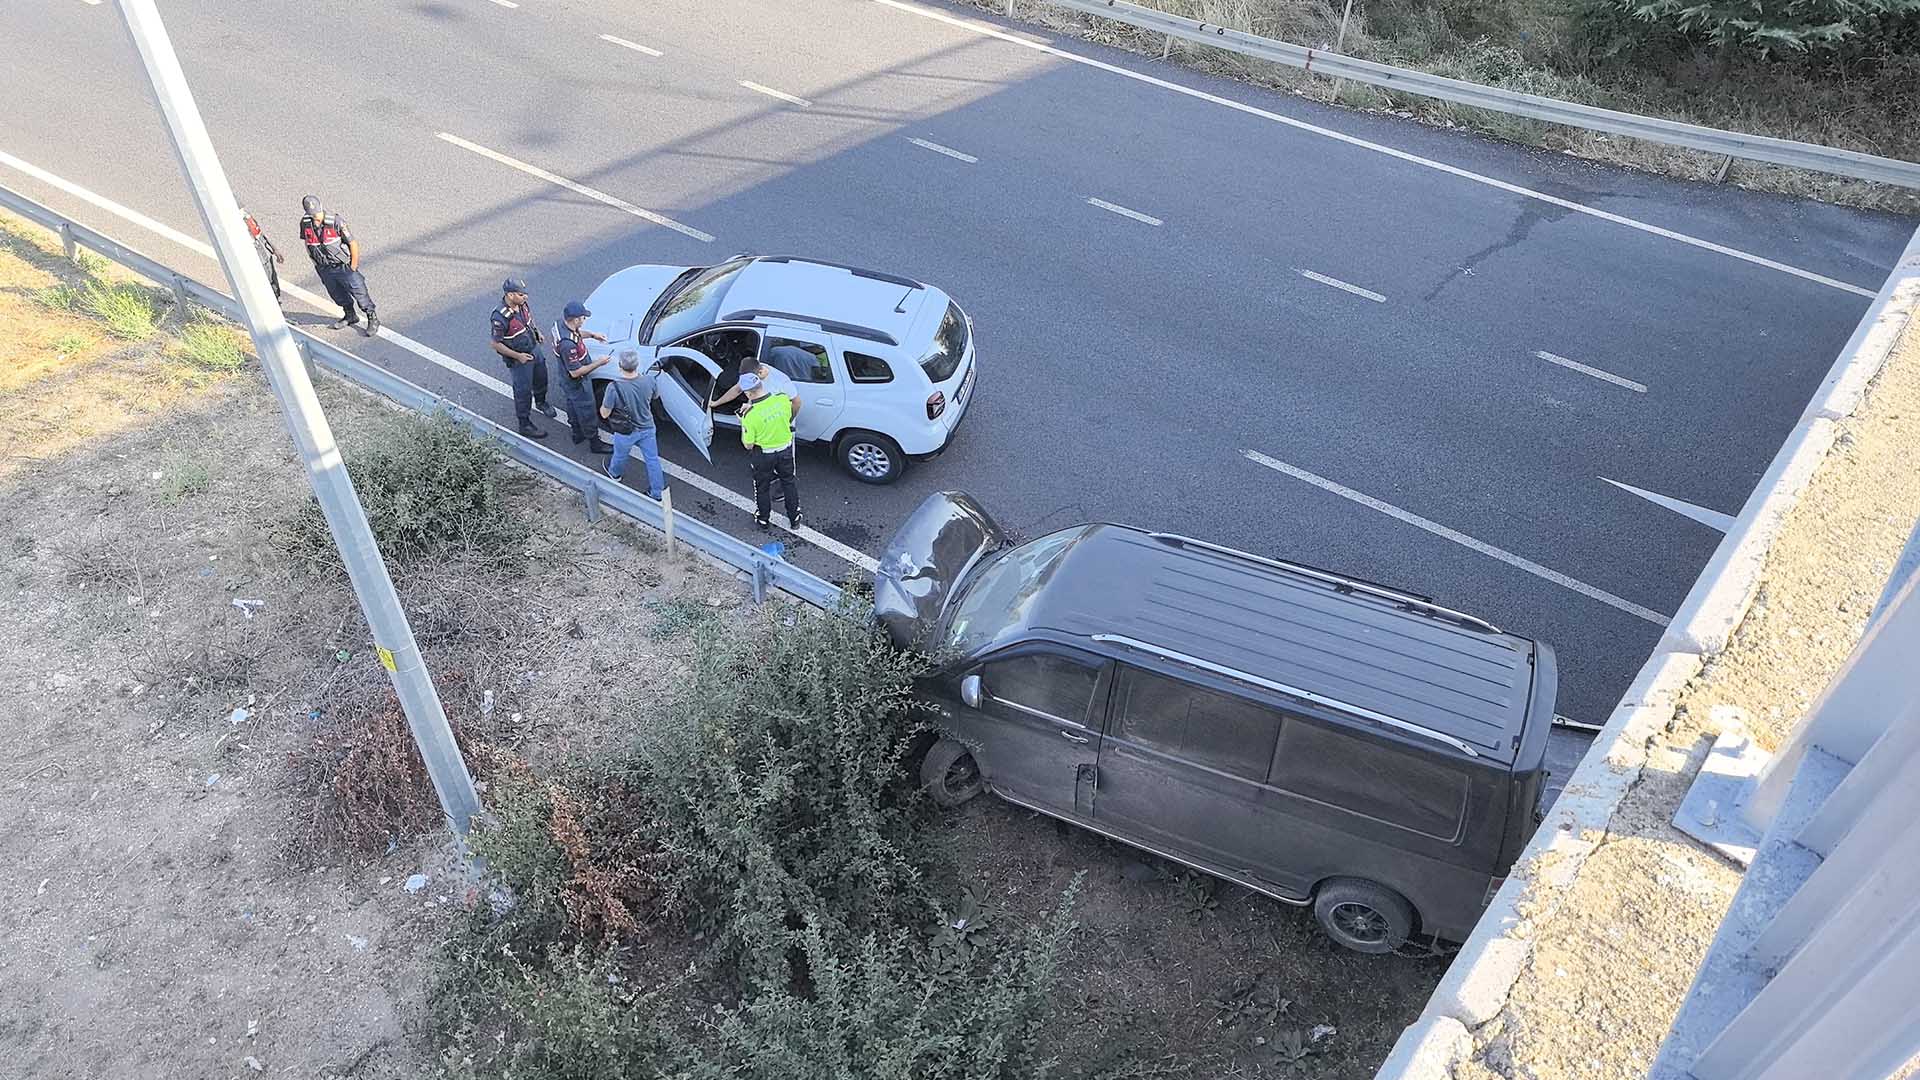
(364, 781)
(213, 346)
(778, 783)
(430, 488)
(131, 312)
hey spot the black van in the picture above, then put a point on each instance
(1323, 740)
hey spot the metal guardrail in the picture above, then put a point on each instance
(1731, 144)
(598, 491)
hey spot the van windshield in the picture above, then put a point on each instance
(1001, 595)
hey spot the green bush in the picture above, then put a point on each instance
(430, 489)
(213, 345)
(778, 784)
(131, 312)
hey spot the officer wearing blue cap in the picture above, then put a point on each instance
(576, 370)
(517, 341)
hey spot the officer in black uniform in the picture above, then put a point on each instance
(336, 258)
(517, 341)
(576, 371)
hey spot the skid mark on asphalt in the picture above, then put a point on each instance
(1457, 537)
(1378, 148)
(575, 186)
(1341, 285)
(1605, 376)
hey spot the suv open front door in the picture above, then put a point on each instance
(685, 405)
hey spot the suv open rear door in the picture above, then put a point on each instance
(686, 406)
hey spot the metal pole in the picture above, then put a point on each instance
(392, 636)
(666, 513)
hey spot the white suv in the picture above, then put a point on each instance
(883, 364)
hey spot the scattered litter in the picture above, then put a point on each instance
(248, 606)
(716, 601)
(253, 1028)
(514, 719)
(42, 890)
(254, 1063)
(343, 656)
(359, 945)
(416, 883)
(774, 548)
(384, 880)
(239, 716)
(486, 703)
(212, 780)
(1322, 1031)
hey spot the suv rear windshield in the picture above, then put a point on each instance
(998, 596)
(949, 345)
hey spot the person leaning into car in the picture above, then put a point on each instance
(766, 430)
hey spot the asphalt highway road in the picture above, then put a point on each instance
(1316, 336)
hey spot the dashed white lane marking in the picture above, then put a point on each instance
(576, 187)
(947, 150)
(1638, 388)
(1457, 537)
(772, 93)
(634, 45)
(92, 3)
(1378, 148)
(1123, 211)
(425, 352)
(506, 3)
(1712, 519)
(1341, 285)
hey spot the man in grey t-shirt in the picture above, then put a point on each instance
(632, 393)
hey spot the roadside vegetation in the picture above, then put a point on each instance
(1836, 72)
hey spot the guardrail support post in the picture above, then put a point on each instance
(1725, 164)
(69, 244)
(180, 296)
(591, 496)
(759, 579)
(1166, 47)
(1340, 45)
(1009, 12)
(666, 514)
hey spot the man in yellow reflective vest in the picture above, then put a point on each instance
(766, 430)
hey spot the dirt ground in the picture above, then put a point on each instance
(166, 659)
(1609, 972)
(175, 682)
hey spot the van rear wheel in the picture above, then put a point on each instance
(1364, 916)
(950, 774)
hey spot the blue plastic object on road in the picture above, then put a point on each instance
(775, 548)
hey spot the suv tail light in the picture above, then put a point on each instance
(936, 404)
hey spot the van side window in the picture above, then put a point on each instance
(1200, 726)
(801, 361)
(864, 368)
(1367, 777)
(1056, 687)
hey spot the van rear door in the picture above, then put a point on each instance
(685, 406)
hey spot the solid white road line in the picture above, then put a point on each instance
(635, 46)
(426, 352)
(772, 93)
(1457, 537)
(1712, 519)
(1338, 284)
(1638, 388)
(947, 150)
(1123, 211)
(1414, 159)
(576, 187)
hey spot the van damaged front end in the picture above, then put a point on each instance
(925, 561)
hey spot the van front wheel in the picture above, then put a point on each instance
(1362, 915)
(949, 773)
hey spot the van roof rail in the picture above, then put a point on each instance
(1343, 582)
(856, 271)
(1291, 691)
(831, 326)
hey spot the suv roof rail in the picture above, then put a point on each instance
(1343, 582)
(831, 326)
(856, 271)
(1291, 691)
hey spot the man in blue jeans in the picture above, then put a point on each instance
(629, 406)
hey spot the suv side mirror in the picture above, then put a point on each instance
(970, 691)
